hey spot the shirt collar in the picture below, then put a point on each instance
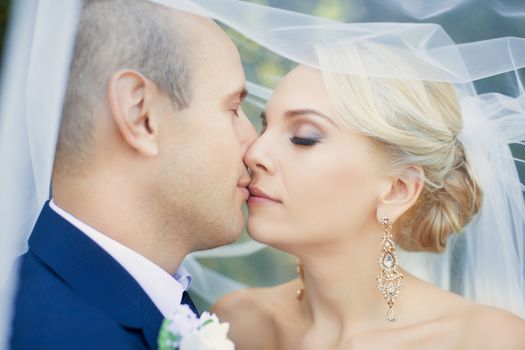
(164, 290)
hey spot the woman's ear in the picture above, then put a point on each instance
(130, 101)
(401, 193)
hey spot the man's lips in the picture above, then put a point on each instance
(245, 192)
(259, 196)
(243, 186)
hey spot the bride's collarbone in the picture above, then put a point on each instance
(471, 327)
(455, 323)
(393, 337)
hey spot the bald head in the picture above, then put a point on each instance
(125, 34)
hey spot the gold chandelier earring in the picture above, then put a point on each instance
(300, 273)
(389, 280)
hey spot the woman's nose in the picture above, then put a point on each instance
(257, 157)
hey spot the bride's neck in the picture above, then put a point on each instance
(340, 289)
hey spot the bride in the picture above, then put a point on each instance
(347, 166)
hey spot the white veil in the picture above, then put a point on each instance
(34, 75)
(486, 264)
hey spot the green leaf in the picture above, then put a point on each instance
(207, 322)
(166, 339)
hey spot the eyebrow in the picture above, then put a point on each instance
(298, 112)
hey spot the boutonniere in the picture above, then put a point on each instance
(183, 330)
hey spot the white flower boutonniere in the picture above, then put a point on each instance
(185, 331)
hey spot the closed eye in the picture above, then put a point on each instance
(300, 141)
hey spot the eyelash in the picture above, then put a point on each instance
(235, 112)
(298, 141)
(301, 141)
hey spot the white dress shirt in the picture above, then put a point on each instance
(163, 289)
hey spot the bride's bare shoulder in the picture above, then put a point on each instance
(443, 316)
(478, 326)
(495, 328)
(252, 314)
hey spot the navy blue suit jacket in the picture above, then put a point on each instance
(74, 295)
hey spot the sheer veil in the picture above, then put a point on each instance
(486, 264)
(34, 75)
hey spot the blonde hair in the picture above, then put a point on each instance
(416, 122)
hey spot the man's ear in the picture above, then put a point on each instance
(130, 101)
(401, 193)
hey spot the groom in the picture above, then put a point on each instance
(148, 168)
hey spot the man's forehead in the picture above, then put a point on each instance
(210, 47)
(195, 26)
(220, 81)
(215, 61)
(218, 60)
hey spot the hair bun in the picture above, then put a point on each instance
(441, 212)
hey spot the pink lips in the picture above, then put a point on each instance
(253, 200)
(257, 196)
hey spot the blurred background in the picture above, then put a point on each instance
(470, 20)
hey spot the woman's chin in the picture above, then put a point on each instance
(263, 232)
(272, 237)
(257, 234)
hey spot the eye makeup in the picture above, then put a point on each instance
(306, 135)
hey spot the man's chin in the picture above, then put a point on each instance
(229, 237)
(234, 235)
(218, 243)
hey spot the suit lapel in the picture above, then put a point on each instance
(152, 321)
(94, 274)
